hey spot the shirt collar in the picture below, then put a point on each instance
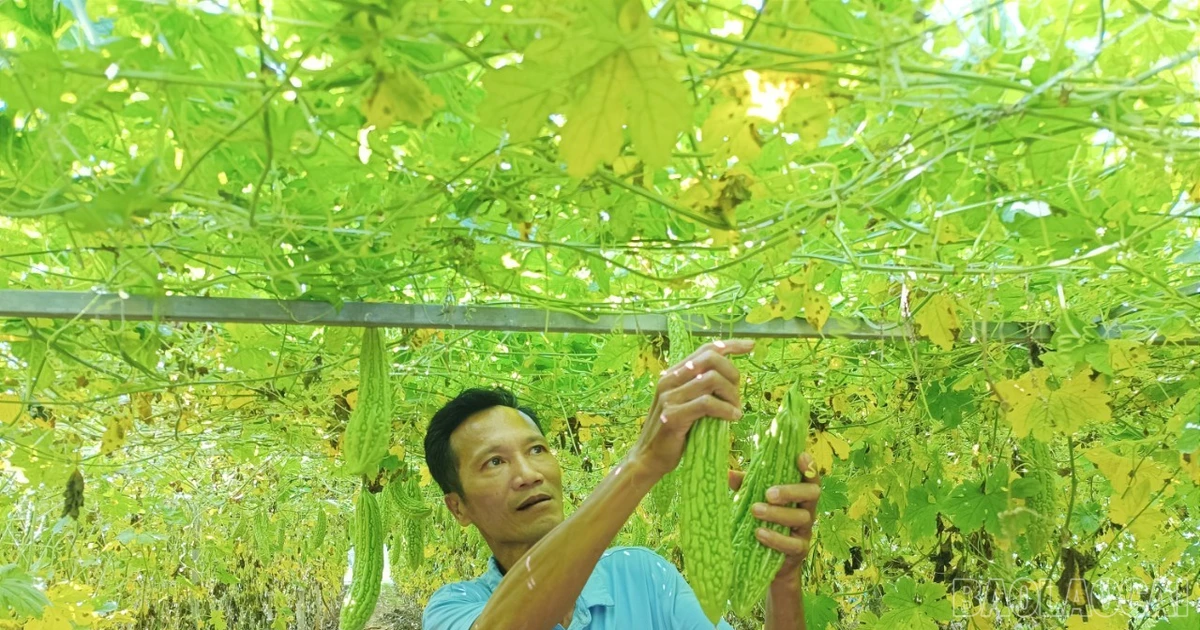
(595, 592)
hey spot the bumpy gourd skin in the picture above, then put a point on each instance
(367, 576)
(773, 463)
(705, 531)
(1044, 501)
(370, 428)
(318, 536)
(414, 542)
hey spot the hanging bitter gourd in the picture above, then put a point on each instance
(774, 462)
(367, 574)
(705, 531)
(369, 431)
(414, 542)
(1042, 499)
(319, 531)
(410, 501)
(264, 543)
(395, 547)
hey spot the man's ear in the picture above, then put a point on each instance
(456, 504)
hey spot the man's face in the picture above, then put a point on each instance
(512, 485)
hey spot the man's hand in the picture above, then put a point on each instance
(794, 507)
(703, 385)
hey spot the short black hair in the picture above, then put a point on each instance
(439, 457)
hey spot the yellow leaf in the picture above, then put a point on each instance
(981, 619)
(729, 132)
(10, 408)
(1117, 468)
(938, 321)
(53, 618)
(967, 381)
(1099, 620)
(1135, 480)
(523, 96)
(840, 404)
(659, 108)
(1190, 464)
(765, 313)
(593, 131)
(1032, 407)
(647, 362)
(611, 74)
(240, 399)
(864, 505)
(589, 420)
(426, 478)
(823, 446)
(399, 95)
(145, 410)
(816, 309)
(1126, 354)
(116, 428)
(807, 114)
(624, 165)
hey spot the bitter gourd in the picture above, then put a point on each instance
(370, 428)
(1043, 500)
(414, 542)
(367, 574)
(705, 531)
(773, 463)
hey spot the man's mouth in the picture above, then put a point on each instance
(532, 501)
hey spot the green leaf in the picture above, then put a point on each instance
(18, 593)
(1181, 616)
(820, 611)
(920, 515)
(973, 504)
(913, 605)
(1189, 438)
(948, 406)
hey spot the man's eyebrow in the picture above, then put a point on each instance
(533, 439)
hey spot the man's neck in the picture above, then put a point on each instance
(509, 555)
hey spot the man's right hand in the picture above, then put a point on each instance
(703, 385)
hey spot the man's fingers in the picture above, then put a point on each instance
(725, 347)
(712, 382)
(710, 356)
(794, 493)
(684, 415)
(787, 545)
(790, 517)
(708, 361)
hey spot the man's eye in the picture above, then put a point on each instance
(495, 461)
(539, 448)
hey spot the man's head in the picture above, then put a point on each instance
(494, 466)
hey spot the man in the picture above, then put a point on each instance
(495, 467)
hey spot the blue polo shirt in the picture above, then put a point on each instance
(631, 587)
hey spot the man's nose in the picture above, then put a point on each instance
(527, 473)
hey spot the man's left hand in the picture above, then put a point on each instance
(792, 506)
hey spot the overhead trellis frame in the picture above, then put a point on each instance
(70, 305)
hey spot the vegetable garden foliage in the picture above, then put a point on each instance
(937, 163)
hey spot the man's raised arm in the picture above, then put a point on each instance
(541, 590)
